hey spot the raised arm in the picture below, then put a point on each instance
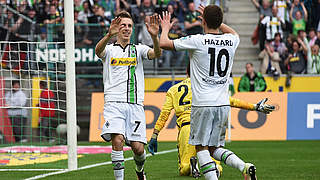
(153, 29)
(113, 30)
(256, 4)
(291, 12)
(165, 42)
(305, 12)
(227, 29)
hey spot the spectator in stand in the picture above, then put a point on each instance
(313, 59)
(289, 42)
(270, 61)
(180, 9)
(174, 33)
(42, 9)
(312, 37)
(85, 12)
(77, 5)
(122, 5)
(109, 7)
(98, 18)
(282, 6)
(252, 81)
(16, 101)
(81, 32)
(298, 5)
(298, 22)
(8, 20)
(52, 18)
(264, 10)
(47, 112)
(272, 25)
(296, 63)
(147, 8)
(281, 48)
(23, 27)
(192, 23)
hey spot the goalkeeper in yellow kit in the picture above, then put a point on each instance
(179, 98)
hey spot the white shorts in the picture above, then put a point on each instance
(126, 119)
(208, 125)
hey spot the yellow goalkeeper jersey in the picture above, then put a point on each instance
(179, 98)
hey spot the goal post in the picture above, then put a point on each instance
(71, 86)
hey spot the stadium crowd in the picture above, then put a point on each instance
(288, 33)
(93, 17)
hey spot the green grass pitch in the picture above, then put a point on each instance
(275, 160)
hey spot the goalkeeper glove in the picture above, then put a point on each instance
(153, 144)
(265, 108)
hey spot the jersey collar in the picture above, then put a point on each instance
(123, 48)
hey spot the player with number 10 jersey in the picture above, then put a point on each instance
(211, 64)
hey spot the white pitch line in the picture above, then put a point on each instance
(91, 166)
(31, 169)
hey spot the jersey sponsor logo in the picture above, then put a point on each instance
(123, 61)
(218, 42)
(213, 82)
(294, 59)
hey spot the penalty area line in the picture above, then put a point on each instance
(91, 166)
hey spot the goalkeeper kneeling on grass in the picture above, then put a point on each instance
(179, 98)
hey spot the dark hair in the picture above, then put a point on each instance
(15, 82)
(296, 42)
(312, 29)
(213, 16)
(124, 14)
(250, 64)
(43, 84)
(299, 31)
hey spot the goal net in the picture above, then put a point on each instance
(32, 105)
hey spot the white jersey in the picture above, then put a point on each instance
(123, 75)
(211, 59)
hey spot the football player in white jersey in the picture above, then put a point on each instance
(123, 79)
(211, 59)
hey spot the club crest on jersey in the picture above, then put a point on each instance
(132, 51)
(131, 61)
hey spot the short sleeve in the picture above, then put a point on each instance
(186, 43)
(104, 53)
(143, 50)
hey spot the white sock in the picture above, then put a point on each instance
(139, 160)
(207, 165)
(229, 158)
(118, 164)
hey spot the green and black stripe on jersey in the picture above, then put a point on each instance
(132, 79)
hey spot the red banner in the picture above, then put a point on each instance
(5, 124)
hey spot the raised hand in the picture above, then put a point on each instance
(200, 10)
(114, 26)
(165, 21)
(265, 108)
(153, 26)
